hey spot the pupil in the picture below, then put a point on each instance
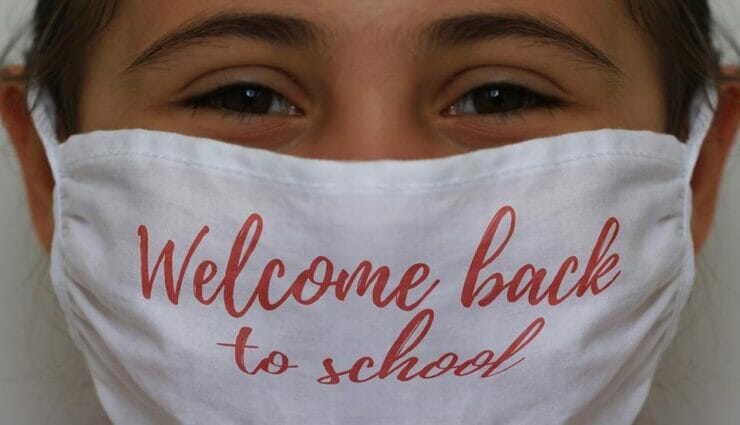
(489, 100)
(252, 100)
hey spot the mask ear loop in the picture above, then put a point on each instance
(43, 115)
(701, 115)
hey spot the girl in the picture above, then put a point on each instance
(372, 212)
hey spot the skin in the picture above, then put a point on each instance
(371, 91)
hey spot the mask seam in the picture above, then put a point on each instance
(685, 284)
(63, 287)
(413, 186)
(703, 118)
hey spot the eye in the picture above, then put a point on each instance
(501, 99)
(244, 99)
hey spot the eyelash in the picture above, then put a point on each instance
(216, 99)
(529, 100)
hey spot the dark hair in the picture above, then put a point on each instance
(681, 31)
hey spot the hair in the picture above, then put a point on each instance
(681, 30)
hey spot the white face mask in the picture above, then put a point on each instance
(532, 283)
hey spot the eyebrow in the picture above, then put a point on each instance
(278, 29)
(299, 33)
(472, 28)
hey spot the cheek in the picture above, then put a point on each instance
(641, 100)
(103, 105)
(99, 104)
(645, 100)
(640, 110)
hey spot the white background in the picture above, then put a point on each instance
(43, 379)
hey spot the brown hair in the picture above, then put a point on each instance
(681, 31)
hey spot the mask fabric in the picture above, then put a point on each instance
(532, 283)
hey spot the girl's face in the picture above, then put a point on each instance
(372, 79)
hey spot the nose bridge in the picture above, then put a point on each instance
(366, 133)
(371, 107)
(376, 117)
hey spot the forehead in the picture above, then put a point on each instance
(138, 23)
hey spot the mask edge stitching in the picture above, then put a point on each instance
(74, 165)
